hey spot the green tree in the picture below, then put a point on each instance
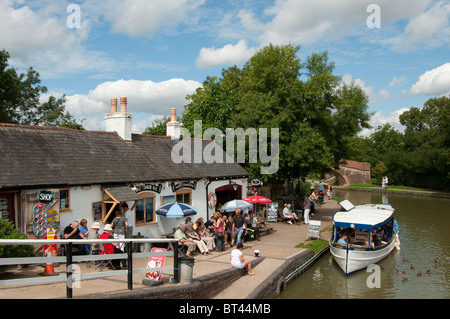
(19, 99)
(315, 111)
(158, 127)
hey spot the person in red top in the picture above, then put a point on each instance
(111, 248)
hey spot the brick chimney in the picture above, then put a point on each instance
(119, 122)
(173, 127)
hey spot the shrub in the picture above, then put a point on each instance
(7, 231)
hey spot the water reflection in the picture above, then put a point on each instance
(424, 256)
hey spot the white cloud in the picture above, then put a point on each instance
(143, 96)
(430, 28)
(435, 82)
(229, 54)
(307, 22)
(39, 36)
(144, 18)
(378, 119)
(398, 82)
(374, 97)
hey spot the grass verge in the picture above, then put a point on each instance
(315, 244)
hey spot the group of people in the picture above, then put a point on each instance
(121, 227)
(384, 182)
(215, 233)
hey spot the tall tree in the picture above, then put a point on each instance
(19, 99)
(315, 111)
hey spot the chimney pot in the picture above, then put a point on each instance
(173, 114)
(113, 105)
(123, 104)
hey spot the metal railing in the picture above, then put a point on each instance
(69, 259)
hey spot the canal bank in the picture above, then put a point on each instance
(213, 276)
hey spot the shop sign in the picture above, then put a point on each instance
(144, 187)
(46, 197)
(184, 184)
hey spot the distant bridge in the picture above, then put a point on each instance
(352, 172)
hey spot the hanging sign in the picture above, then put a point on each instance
(155, 262)
(142, 187)
(185, 184)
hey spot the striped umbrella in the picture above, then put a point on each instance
(173, 210)
(232, 205)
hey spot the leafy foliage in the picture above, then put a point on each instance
(19, 99)
(418, 157)
(7, 231)
(315, 111)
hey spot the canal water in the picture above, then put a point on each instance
(424, 256)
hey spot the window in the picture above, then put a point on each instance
(64, 200)
(145, 210)
(167, 199)
(184, 197)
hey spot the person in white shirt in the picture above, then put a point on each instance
(238, 261)
(129, 221)
(289, 215)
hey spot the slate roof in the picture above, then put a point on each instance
(35, 156)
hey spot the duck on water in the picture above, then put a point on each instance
(363, 235)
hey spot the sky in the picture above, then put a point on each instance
(156, 52)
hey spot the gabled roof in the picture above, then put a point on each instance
(34, 156)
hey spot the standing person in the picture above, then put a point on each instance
(119, 225)
(238, 261)
(239, 226)
(219, 230)
(386, 181)
(307, 208)
(383, 182)
(228, 229)
(129, 218)
(254, 224)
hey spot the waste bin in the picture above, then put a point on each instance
(186, 267)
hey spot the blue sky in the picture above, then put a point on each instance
(156, 52)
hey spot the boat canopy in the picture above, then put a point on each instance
(365, 217)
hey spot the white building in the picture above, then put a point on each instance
(89, 174)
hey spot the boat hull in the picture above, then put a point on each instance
(354, 258)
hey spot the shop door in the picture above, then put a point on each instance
(7, 207)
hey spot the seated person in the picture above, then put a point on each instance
(289, 215)
(210, 225)
(72, 232)
(183, 240)
(343, 239)
(93, 234)
(205, 236)
(192, 234)
(377, 241)
(112, 248)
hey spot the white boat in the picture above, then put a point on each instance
(370, 232)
